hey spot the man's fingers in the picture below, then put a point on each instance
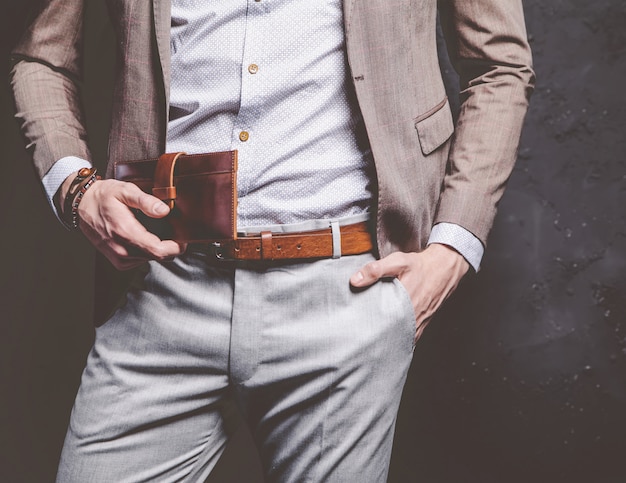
(133, 197)
(124, 254)
(390, 266)
(143, 243)
(109, 224)
(134, 235)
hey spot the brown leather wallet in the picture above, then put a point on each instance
(200, 189)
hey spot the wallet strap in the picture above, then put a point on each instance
(164, 188)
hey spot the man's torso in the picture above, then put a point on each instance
(269, 79)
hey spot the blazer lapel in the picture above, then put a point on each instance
(347, 13)
(162, 11)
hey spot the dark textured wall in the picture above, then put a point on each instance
(522, 377)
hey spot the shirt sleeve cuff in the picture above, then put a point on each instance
(463, 241)
(59, 172)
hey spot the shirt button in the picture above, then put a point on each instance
(243, 136)
(253, 68)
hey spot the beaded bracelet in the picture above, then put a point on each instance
(83, 181)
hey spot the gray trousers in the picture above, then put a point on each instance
(316, 368)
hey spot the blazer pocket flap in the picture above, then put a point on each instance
(435, 127)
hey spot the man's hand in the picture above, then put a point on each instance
(110, 226)
(429, 277)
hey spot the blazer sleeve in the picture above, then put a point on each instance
(45, 79)
(488, 47)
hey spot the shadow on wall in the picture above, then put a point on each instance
(522, 377)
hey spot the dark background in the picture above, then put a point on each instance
(522, 376)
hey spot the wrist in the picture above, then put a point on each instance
(71, 193)
(63, 189)
(449, 256)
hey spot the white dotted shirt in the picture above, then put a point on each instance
(269, 78)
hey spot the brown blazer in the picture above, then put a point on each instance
(425, 175)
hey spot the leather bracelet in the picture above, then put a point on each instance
(83, 181)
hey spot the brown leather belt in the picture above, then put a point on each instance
(355, 239)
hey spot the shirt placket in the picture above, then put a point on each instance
(245, 128)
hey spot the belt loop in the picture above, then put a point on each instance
(334, 225)
(267, 250)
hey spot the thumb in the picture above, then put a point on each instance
(158, 209)
(389, 266)
(152, 206)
